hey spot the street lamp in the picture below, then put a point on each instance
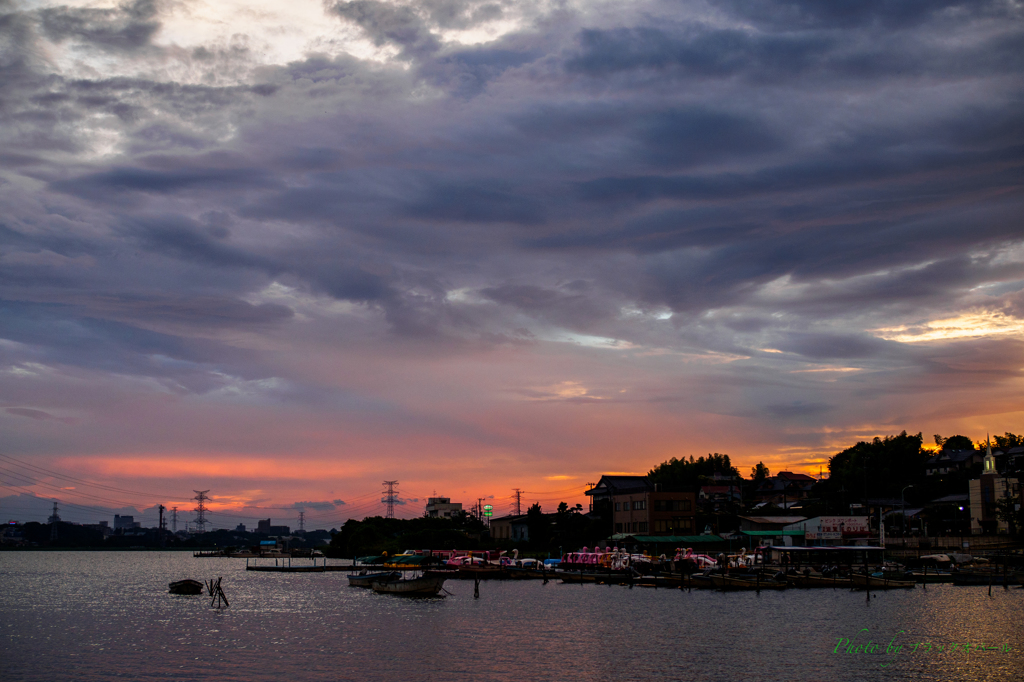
(959, 531)
(903, 510)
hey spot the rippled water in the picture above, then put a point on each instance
(107, 615)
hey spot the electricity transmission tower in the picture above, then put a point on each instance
(54, 520)
(200, 522)
(174, 519)
(302, 522)
(162, 526)
(390, 495)
(519, 500)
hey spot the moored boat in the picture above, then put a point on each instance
(880, 583)
(427, 585)
(187, 586)
(367, 579)
(987, 577)
(725, 582)
(818, 581)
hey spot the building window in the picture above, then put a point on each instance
(617, 505)
(618, 527)
(685, 505)
(640, 504)
(642, 527)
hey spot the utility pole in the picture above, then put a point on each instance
(390, 495)
(302, 522)
(54, 520)
(200, 522)
(590, 486)
(174, 519)
(161, 527)
(519, 497)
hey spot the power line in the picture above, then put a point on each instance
(74, 479)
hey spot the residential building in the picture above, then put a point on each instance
(952, 461)
(609, 486)
(719, 497)
(442, 507)
(513, 528)
(785, 487)
(649, 512)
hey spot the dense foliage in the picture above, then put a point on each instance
(376, 535)
(684, 474)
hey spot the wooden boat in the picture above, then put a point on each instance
(367, 579)
(725, 582)
(988, 577)
(516, 573)
(861, 581)
(482, 572)
(427, 585)
(933, 577)
(818, 581)
(187, 586)
(697, 581)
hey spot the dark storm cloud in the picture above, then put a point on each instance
(847, 14)
(866, 154)
(472, 202)
(387, 23)
(127, 27)
(717, 53)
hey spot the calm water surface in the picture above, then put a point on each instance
(108, 616)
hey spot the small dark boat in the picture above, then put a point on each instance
(725, 582)
(862, 581)
(427, 585)
(364, 579)
(187, 586)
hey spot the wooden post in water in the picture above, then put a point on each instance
(476, 587)
(925, 573)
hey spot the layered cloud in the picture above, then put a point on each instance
(457, 241)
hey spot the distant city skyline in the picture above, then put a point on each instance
(286, 252)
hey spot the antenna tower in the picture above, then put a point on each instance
(519, 500)
(200, 522)
(390, 495)
(302, 522)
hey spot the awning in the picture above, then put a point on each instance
(771, 533)
(669, 539)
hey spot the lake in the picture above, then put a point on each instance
(108, 616)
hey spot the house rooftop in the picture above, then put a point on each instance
(774, 519)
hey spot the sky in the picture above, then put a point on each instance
(287, 251)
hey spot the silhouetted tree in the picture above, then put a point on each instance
(683, 474)
(759, 473)
(1008, 440)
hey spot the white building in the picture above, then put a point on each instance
(441, 507)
